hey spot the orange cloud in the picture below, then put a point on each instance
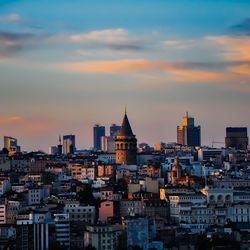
(175, 71)
(236, 48)
(193, 76)
(243, 69)
(22, 125)
(10, 120)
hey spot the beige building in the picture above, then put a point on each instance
(103, 236)
(78, 212)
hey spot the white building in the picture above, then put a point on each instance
(77, 212)
(35, 195)
(2, 214)
(205, 154)
(4, 186)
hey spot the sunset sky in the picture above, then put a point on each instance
(66, 65)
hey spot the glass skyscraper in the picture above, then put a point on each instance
(69, 145)
(188, 134)
(98, 132)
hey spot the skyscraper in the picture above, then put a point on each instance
(98, 132)
(236, 137)
(69, 146)
(108, 144)
(126, 144)
(114, 129)
(188, 134)
(11, 144)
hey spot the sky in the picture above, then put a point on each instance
(67, 65)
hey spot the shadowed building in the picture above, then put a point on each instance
(176, 171)
(126, 144)
(114, 129)
(236, 138)
(98, 132)
(69, 145)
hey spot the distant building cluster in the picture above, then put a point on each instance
(125, 195)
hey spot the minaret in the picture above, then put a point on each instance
(126, 144)
(176, 171)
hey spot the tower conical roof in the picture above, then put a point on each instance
(125, 129)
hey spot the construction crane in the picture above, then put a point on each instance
(217, 142)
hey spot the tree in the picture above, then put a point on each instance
(86, 195)
(137, 248)
(5, 151)
(89, 247)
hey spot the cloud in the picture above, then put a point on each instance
(11, 43)
(26, 125)
(243, 69)
(10, 120)
(181, 44)
(117, 39)
(176, 71)
(242, 28)
(235, 48)
(12, 18)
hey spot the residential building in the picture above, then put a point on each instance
(137, 232)
(205, 154)
(35, 195)
(80, 213)
(4, 186)
(103, 236)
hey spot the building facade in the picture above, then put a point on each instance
(188, 134)
(69, 145)
(10, 143)
(236, 137)
(98, 132)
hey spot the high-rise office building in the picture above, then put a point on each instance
(69, 146)
(108, 144)
(236, 137)
(53, 150)
(188, 134)
(10, 143)
(59, 146)
(98, 132)
(126, 144)
(114, 130)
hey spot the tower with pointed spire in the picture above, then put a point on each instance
(126, 144)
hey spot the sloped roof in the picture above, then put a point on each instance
(125, 129)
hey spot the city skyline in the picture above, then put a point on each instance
(64, 67)
(91, 146)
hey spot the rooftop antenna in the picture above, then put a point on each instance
(125, 109)
(187, 114)
(60, 141)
